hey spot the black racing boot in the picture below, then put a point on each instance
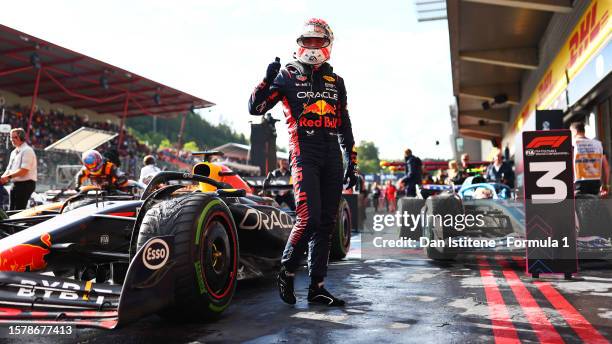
(285, 286)
(320, 295)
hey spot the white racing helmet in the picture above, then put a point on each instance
(315, 42)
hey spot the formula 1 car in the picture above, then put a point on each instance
(503, 219)
(62, 201)
(177, 251)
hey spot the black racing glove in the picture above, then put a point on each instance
(272, 71)
(350, 175)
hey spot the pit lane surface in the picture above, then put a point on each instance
(474, 299)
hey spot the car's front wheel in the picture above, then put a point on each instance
(206, 252)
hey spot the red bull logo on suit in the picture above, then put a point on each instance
(320, 107)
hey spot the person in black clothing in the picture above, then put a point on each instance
(500, 171)
(283, 196)
(413, 173)
(314, 99)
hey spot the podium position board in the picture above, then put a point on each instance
(549, 202)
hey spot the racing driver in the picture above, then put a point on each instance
(100, 172)
(314, 100)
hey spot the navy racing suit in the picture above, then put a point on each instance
(314, 102)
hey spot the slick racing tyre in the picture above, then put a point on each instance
(435, 230)
(341, 233)
(412, 207)
(205, 253)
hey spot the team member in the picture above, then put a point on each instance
(413, 173)
(500, 171)
(100, 171)
(283, 196)
(21, 170)
(591, 169)
(390, 196)
(149, 170)
(314, 100)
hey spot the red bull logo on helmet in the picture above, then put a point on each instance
(320, 107)
(26, 257)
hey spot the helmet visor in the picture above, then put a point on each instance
(313, 42)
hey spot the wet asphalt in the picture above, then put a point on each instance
(412, 300)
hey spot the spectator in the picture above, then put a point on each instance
(390, 195)
(376, 194)
(413, 173)
(149, 170)
(464, 170)
(591, 169)
(500, 171)
(21, 170)
(454, 175)
(465, 161)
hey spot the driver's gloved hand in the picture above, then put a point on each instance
(272, 71)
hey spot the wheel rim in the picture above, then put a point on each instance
(217, 256)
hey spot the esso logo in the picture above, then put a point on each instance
(155, 254)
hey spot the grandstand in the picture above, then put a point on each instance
(52, 91)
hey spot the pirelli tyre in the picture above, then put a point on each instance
(436, 230)
(412, 207)
(205, 255)
(341, 233)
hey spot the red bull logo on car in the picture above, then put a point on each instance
(26, 257)
(320, 107)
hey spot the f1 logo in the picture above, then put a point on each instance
(544, 141)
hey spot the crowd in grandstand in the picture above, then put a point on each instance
(49, 127)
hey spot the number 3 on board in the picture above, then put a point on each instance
(552, 169)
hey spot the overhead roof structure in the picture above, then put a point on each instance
(81, 82)
(493, 43)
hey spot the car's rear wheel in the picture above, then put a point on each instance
(436, 230)
(206, 253)
(412, 207)
(341, 235)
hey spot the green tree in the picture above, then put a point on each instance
(191, 146)
(367, 156)
(196, 129)
(165, 143)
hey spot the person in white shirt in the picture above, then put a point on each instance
(591, 169)
(21, 170)
(149, 170)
